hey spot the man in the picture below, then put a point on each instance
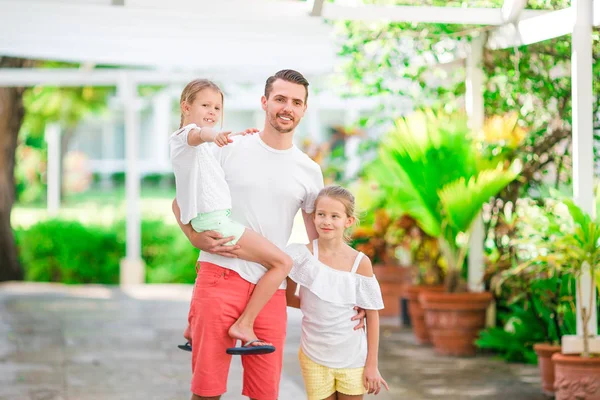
(270, 180)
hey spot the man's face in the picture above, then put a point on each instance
(285, 106)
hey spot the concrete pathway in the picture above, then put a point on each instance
(106, 343)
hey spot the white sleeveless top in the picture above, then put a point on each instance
(327, 300)
(200, 183)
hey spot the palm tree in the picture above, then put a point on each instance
(432, 169)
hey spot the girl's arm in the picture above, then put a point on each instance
(372, 379)
(290, 294)
(198, 136)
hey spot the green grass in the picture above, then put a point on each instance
(103, 207)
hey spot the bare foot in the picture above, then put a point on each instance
(245, 334)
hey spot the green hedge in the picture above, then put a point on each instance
(71, 252)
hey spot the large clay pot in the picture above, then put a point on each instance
(545, 352)
(417, 317)
(391, 279)
(454, 320)
(576, 377)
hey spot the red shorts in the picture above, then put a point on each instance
(220, 295)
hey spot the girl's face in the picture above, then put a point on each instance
(331, 219)
(205, 110)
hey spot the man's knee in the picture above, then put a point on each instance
(196, 397)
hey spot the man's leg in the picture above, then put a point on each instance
(214, 307)
(262, 373)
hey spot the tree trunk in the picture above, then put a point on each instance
(11, 117)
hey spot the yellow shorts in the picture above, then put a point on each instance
(321, 382)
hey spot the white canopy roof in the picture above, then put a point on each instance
(212, 37)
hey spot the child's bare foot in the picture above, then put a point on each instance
(245, 334)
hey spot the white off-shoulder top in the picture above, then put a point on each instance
(327, 300)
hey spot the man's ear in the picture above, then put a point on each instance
(263, 103)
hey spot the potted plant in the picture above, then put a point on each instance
(410, 245)
(578, 250)
(432, 167)
(537, 296)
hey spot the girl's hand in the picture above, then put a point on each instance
(223, 139)
(373, 381)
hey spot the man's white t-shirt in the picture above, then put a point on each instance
(267, 187)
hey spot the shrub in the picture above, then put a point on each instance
(70, 252)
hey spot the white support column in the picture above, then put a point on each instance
(161, 109)
(583, 156)
(259, 119)
(132, 266)
(314, 124)
(108, 149)
(475, 111)
(52, 136)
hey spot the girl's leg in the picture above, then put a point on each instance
(341, 396)
(254, 247)
(333, 397)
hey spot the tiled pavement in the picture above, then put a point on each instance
(109, 343)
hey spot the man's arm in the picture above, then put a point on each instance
(290, 294)
(209, 241)
(309, 224)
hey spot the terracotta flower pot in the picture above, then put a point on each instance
(391, 279)
(454, 320)
(417, 316)
(544, 352)
(576, 377)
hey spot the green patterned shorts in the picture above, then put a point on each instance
(219, 221)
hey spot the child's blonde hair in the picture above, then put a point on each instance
(193, 88)
(344, 196)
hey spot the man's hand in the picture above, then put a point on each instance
(360, 315)
(249, 131)
(214, 243)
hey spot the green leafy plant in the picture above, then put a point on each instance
(71, 252)
(578, 251)
(431, 167)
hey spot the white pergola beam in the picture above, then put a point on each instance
(317, 8)
(73, 77)
(538, 29)
(420, 14)
(512, 9)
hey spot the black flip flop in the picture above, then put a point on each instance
(249, 350)
(187, 346)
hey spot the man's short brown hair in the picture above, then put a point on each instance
(288, 75)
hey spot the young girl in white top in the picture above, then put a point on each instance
(204, 200)
(336, 360)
